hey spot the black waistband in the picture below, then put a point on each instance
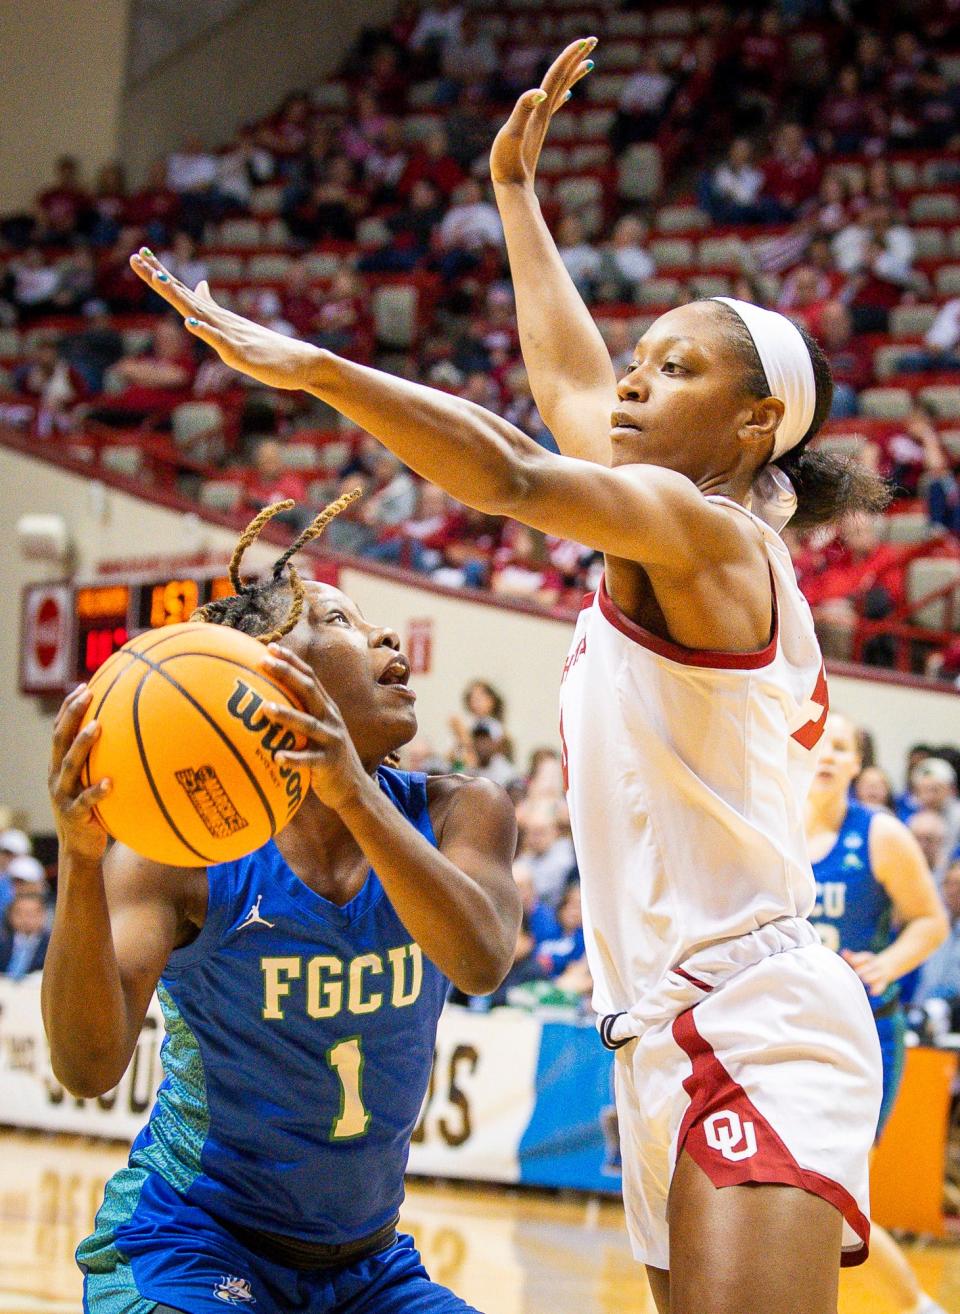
(307, 1255)
(889, 1008)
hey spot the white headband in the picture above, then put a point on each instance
(787, 365)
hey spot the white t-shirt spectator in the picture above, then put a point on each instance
(469, 226)
(191, 171)
(943, 335)
(582, 262)
(741, 185)
(851, 244)
(646, 92)
(437, 25)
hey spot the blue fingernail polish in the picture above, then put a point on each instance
(193, 322)
(163, 278)
(590, 65)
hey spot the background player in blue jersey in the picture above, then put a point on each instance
(876, 905)
(301, 988)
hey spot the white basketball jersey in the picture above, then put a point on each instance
(686, 774)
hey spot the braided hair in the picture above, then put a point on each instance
(264, 609)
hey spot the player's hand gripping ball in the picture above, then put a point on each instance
(189, 747)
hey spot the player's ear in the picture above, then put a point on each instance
(758, 430)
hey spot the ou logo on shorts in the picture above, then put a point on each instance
(734, 1138)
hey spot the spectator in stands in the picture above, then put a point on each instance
(109, 205)
(35, 284)
(522, 567)
(154, 208)
(192, 173)
(482, 702)
(27, 876)
(732, 194)
(853, 574)
(581, 259)
(470, 225)
(850, 363)
(545, 855)
(469, 58)
(871, 64)
(93, 349)
(625, 263)
(432, 162)
(327, 208)
(874, 789)
(394, 498)
(63, 210)
(849, 120)
(439, 24)
(877, 253)
(13, 844)
(386, 164)
(24, 936)
(804, 297)
(940, 975)
(557, 953)
(52, 385)
(247, 165)
(792, 172)
(940, 343)
(934, 785)
(468, 129)
(757, 73)
(154, 383)
(286, 133)
(271, 480)
(479, 751)
(184, 263)
(643, 102)
(930, 831)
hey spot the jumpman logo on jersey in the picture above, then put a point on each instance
(253, 917)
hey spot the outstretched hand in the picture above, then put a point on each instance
(268, 357)
(517, 146)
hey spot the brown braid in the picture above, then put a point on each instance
(253, 608)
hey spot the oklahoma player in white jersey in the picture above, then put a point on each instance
(748, 1080)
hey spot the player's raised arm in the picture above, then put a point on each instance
(571, 375)
(116, 922)
(643, 513)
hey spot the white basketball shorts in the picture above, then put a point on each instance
(758, 1056)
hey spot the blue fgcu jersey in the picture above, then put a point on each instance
(299, 1041)
(853, 910)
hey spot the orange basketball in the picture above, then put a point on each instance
(189, 748)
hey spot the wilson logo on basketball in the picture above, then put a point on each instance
(733, 1137)
(245, 705)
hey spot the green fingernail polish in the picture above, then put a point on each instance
(539, 98)
(147, 251)
(583, 45)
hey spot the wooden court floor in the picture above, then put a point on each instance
(506, 1252)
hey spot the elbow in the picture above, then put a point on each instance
(87, 1079)
(941, 930)
(487, 967)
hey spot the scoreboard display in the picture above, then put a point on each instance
(69, 630)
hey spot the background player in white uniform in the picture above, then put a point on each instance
(697, 690)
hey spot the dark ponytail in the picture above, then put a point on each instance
(828, 487)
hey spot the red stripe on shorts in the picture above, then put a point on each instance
(694, 980)
(726, 1136)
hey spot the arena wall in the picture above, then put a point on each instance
(239, 70)
(521, 653)
(60, 92)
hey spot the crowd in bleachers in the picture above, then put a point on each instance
(805, 155)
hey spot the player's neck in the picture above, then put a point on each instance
(321, 851)
(825, 812)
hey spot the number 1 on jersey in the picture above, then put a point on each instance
(346, 1060)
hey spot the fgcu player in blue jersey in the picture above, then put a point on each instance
(877, 906)
(301, 988)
